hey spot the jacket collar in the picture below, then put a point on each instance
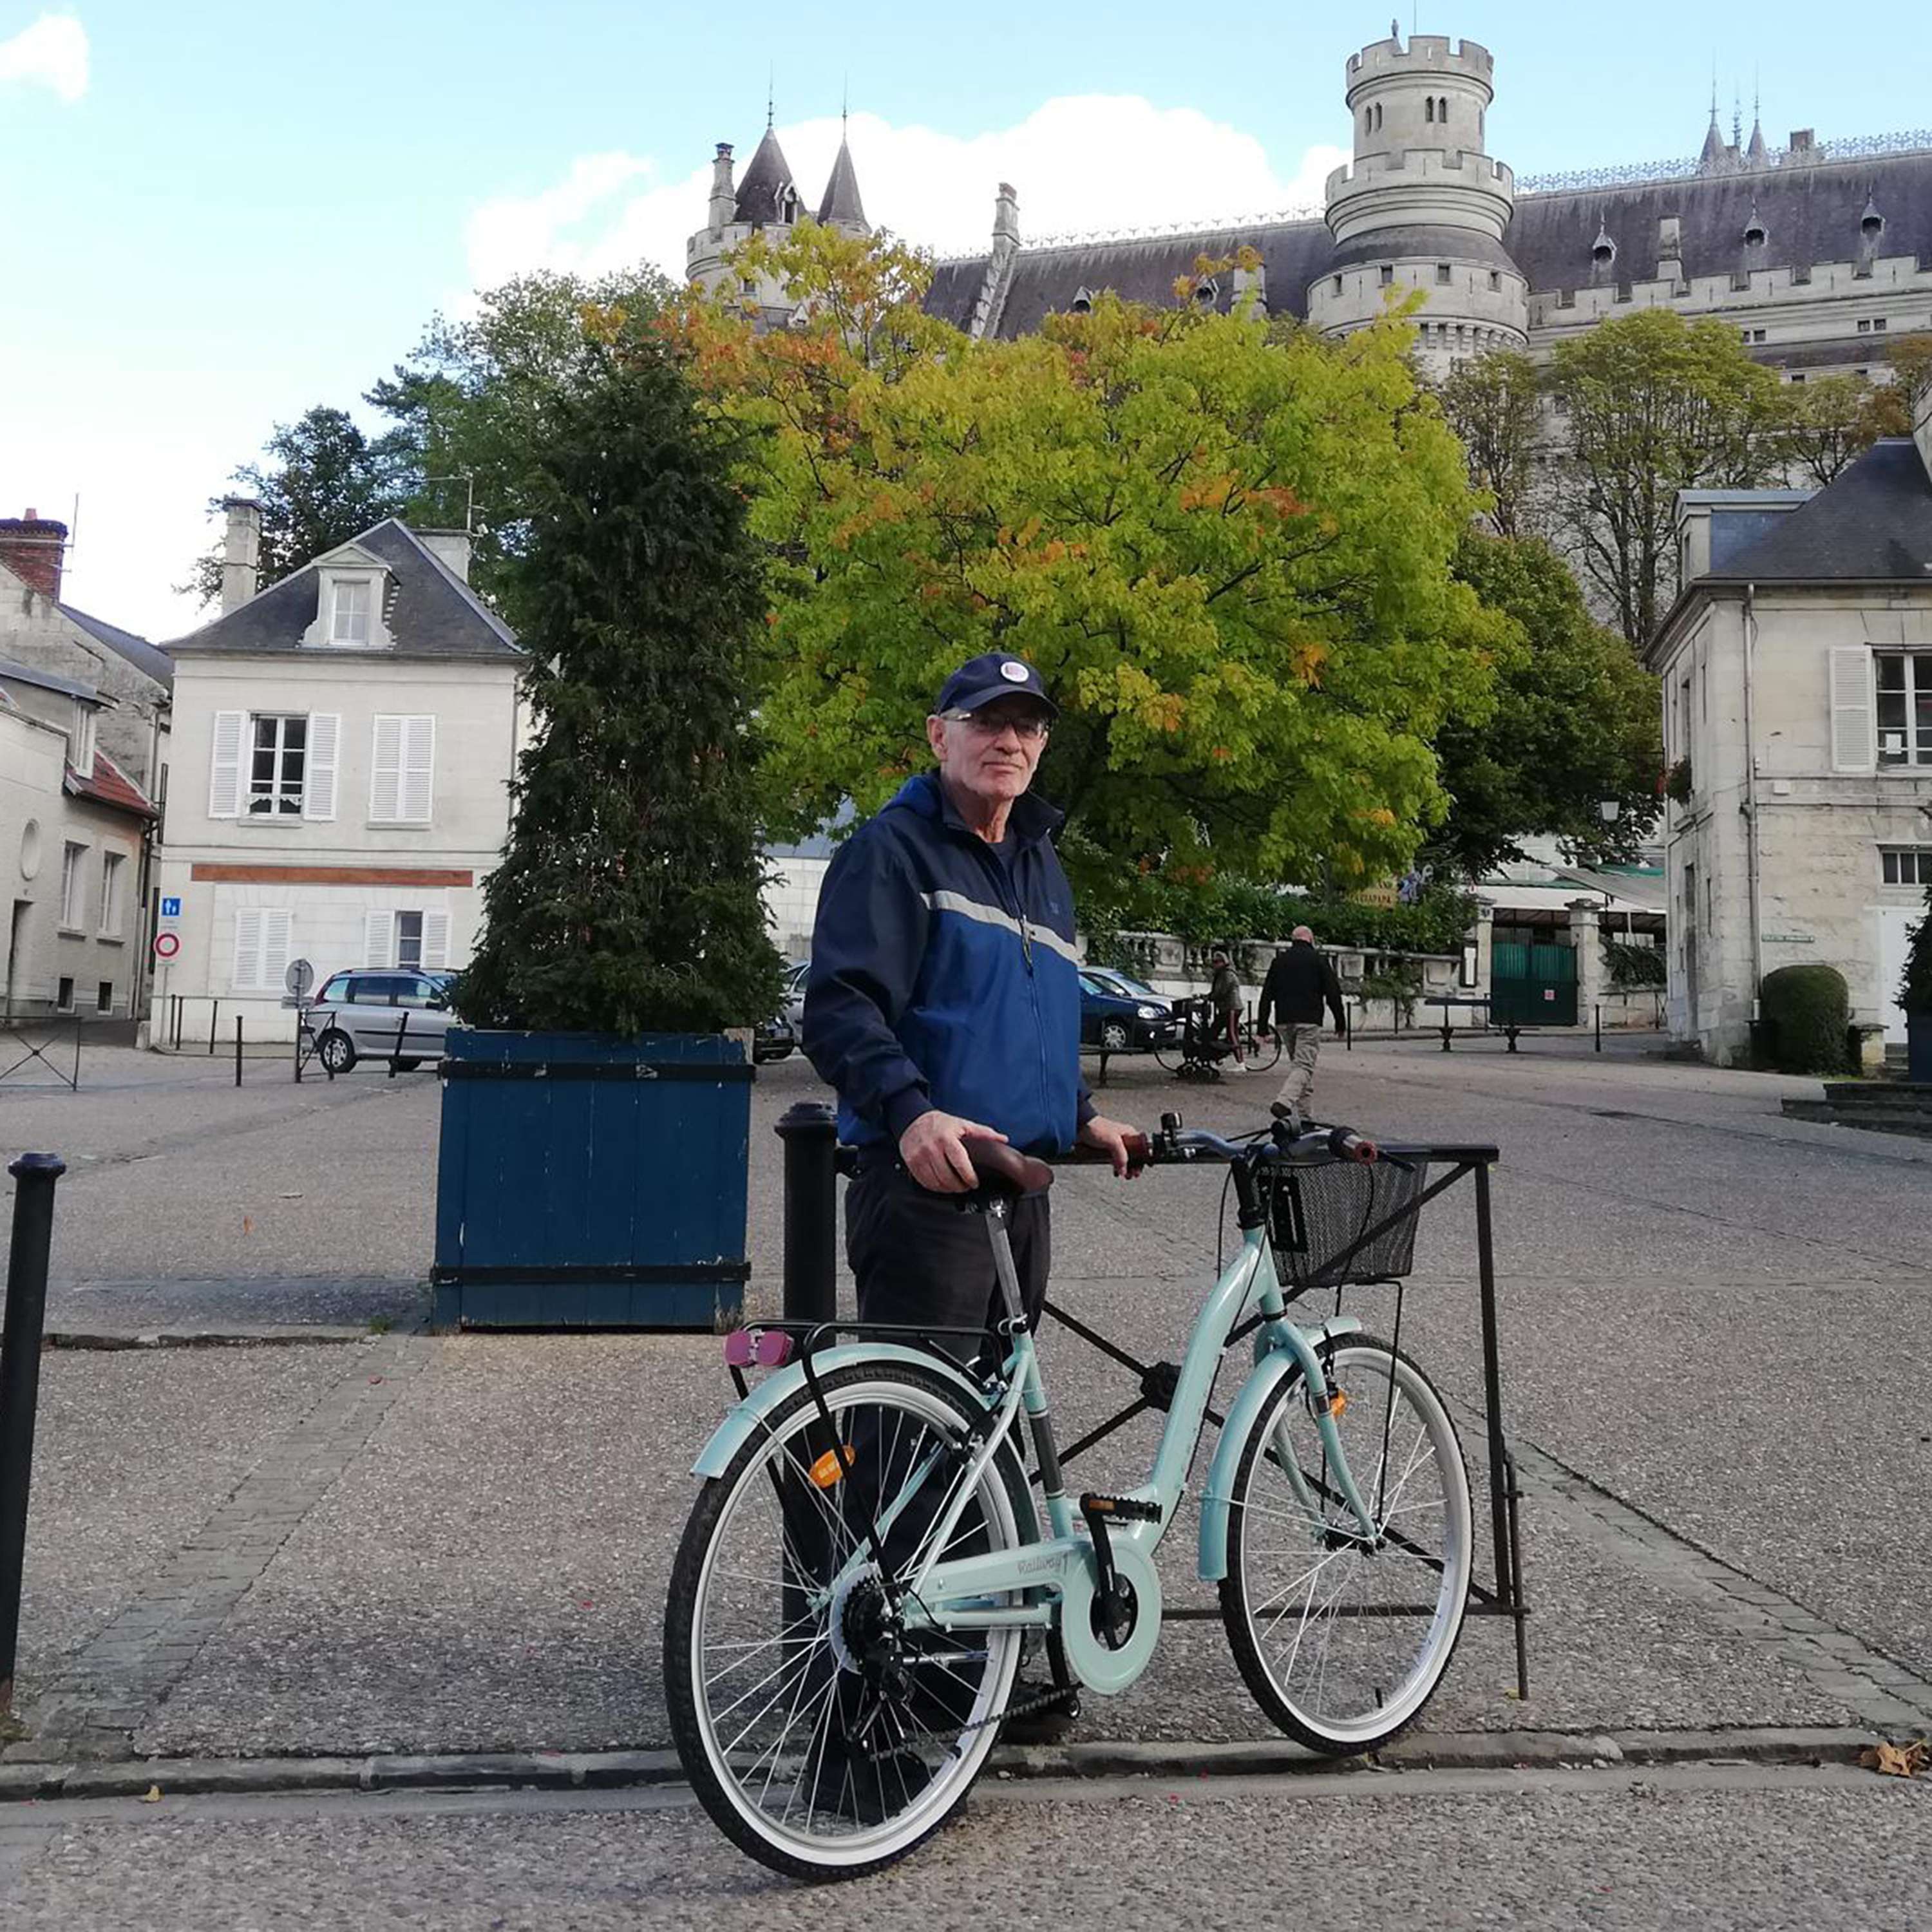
(1031, 820)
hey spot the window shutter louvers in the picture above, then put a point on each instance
(435, 940)
(378, 934)
(277, 945)
(418, 768)
(247, 947)
(224, 782)
(385, 776)
(1854, 726)
(325, 733)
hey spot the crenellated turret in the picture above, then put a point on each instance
(1422, 206)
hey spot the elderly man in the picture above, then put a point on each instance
(943, 1003)
(1299, 982)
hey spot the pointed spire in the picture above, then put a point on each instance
(1737, 121)
(842, 205)
(766, 194)
(1711, 159)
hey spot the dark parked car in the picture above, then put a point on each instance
(1121, 1015)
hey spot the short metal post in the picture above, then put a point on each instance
(214, 1024)
(810, 1137)
(20, 1338)
(1492, 1375)
(1445, 1026)
(1347, 1026)
(396, 1051)
(298, 1041)
(77, 1053)
(1600, 1026)
(238, 1049)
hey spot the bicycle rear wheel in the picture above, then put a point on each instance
(1263, 1051)
(1343, 1642)
(824, 1737)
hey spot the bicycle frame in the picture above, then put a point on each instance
(957, 1594)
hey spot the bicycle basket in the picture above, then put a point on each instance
(1316, 1213)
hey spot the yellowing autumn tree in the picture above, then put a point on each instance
(1228, 556)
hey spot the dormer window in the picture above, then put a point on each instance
(1754, 236)
(348, 610)
(1082, 303)
(1206, 292)
(1603, 251)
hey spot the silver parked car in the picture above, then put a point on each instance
(374, 1010)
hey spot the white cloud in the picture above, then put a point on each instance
(52, 53)
(1082, 161)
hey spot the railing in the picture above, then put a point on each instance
(1688, 166)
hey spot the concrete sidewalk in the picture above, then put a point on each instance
(389, 1543)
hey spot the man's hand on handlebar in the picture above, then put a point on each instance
(934, 1150)
(1126, 1147)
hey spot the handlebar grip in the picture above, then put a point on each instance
(1347, 1145)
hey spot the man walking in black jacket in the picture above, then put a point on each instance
(1301, 981)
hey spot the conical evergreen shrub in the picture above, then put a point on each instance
(627, 900)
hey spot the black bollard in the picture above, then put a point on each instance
(238, 1049)
(810, 1136)
(33, 1177)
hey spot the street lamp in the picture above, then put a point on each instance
(1609, 810)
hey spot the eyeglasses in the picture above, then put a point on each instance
(1030, 728)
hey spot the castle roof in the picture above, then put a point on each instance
(1872, 524)
(766, 182)
(842, 202)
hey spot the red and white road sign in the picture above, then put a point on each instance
(167, 945)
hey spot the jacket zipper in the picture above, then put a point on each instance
(1016, 906)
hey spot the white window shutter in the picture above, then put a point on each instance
(248, 948)
(224, 780)
(378, 936)
(277, 945)
(325, 734)
(1854, 722)
(418, 768)
(386, 770)
(435, 940)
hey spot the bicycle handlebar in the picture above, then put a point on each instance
(1316, 1145)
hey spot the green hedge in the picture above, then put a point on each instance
(1232, 910)
(1807, 1010)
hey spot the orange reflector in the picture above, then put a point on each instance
(1337, 1403)
(833, 1465)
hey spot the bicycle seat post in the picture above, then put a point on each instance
(997, 1213)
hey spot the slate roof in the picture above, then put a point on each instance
(1872, 524)
(145, 657)
(768, 176)
(1810, 214)
(430, 611)
(47, 680)
(107, 784)
(842, 202)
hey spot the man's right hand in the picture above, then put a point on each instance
(934, 1150)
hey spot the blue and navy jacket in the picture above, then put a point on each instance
(937, 980)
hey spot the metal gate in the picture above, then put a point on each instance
(1532, 985)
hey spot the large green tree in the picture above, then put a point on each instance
(1576, 722)
(1228, 557)
(1649, 404)
(628, 897)
(324, 479)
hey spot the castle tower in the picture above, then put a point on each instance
(840, 206)
(1423, 206)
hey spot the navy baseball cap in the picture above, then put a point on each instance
(991, 676)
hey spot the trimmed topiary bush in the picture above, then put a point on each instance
(1808, 1010)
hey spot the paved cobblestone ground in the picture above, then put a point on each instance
(1714, 1335)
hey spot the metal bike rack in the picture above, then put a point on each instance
(813, 1157)
(14, 1035)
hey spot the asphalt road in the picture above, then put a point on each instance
(1710, 1845)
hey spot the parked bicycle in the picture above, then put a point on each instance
(864, 1561)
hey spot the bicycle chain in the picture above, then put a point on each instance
(1045, 1701)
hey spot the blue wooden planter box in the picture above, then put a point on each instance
(588, 1182)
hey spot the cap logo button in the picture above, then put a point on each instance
(1013, 672)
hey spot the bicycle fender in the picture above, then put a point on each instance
(748, 1417)
(1269, 1373)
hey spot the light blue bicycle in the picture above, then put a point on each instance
(865, 1563)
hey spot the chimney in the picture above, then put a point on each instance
(1005, 220)
(450, 548)
(33, 547)
(240, 552)
(724, 208)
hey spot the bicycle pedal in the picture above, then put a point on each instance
(1122, 1509)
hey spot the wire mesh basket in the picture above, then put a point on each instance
(1316, 1213)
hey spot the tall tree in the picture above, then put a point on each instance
(1228, 556)
(1894, 404)
(1575, 721)
(1827, 423)
(628, 897)
(1494, 403)
(325, 479)
(1650, 405)
(470, 403)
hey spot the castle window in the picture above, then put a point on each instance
(1387, 274)
(1338, 285)
(1495, 278)
(1605, 251)
(1865, 326)
(1082, 303)
(1429, 108)
(1753, 237)
(1442, 110)
(1799, 377)
(1442, 274)
(1878, 324)
(1872, 226)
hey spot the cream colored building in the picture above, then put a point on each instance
(344, 743)
(72, 831)
(1797, 672)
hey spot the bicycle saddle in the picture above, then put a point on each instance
(1005, 1173)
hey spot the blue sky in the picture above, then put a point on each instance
(213, 218)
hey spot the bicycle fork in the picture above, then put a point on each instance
(1315, 1377)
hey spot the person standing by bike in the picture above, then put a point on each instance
(1300, 982)
(1224, 996)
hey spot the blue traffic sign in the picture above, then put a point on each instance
(171, 908)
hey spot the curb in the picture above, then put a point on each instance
(267, 1336)
(1492, 1751)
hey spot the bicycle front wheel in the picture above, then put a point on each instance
(824, 1736)
(1263, 1050)
(1341, 1640)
